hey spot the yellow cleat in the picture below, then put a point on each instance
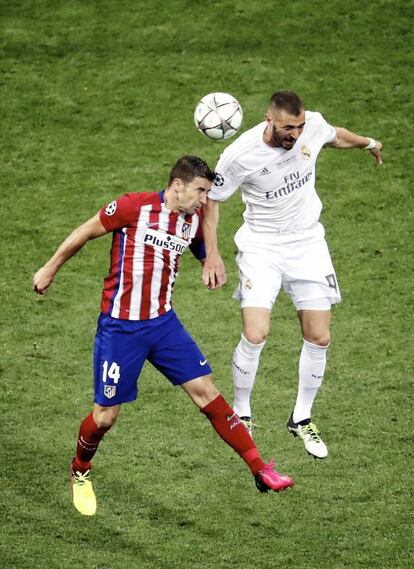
(82, 492)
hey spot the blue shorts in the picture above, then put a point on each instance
(122, 346)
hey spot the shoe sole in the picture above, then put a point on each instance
(264, 489)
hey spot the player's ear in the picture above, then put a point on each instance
(177, 184)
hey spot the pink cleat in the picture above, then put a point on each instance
(269, 479)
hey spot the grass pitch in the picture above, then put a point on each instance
(97, 99)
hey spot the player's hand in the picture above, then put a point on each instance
(43, 279)
(214, 272)
(376, 152)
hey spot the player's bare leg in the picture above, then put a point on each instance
(256, 327)
(312, 363)
(229, 427)
(91, 432)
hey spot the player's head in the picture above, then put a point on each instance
(189, 182)
(285, 118)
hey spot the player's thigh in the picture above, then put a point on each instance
(176, 355)
(260, 279)
(308, 273)
(119, 354)
(315, 326)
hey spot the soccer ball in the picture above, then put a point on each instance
(218, 115)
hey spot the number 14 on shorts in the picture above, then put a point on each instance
(113, 371)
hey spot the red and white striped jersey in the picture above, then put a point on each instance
(148, 241)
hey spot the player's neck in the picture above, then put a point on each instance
(268, 138)
(170, 199)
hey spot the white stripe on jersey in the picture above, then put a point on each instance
(159, 267)
(138, 265)
(117, 300)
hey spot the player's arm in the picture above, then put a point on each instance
(214, 271)
(91, 229)
(346, 139)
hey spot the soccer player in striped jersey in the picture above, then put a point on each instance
(150, 231)
(280, 245)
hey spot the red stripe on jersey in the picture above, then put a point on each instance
(111, 282)
(148, 272)
(172, 225)
(128, 266)
(176, 267)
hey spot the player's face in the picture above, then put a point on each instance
(192, 195)
(283, 129)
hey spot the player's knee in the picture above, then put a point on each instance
(207, 390)
(105, 419)
(201, 390)
(318, 339)
(105, 422)
(256, 335)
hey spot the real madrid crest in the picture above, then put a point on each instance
(306, 153)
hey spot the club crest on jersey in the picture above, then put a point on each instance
(306, 153)
(186, 230)
(111, 208)
(109, 391)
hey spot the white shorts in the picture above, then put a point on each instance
(299, 263)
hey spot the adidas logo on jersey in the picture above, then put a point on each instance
(264, 172)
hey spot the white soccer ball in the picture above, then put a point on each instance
(218, 115)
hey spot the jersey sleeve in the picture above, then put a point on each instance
(328, 132)
(229, 176)
(119, 213)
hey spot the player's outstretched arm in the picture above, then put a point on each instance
(346, 139)
(72, 244)
(214, 271)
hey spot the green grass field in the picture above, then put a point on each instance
(97, 99)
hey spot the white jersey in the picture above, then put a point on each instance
(277, 185)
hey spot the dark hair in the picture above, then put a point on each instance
(287, 101)
(188, 167)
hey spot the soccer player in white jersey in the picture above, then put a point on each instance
(280, 245)
(150, 230)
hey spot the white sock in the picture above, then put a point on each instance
(312, 365)
(245, 363)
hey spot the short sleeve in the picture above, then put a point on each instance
(121, 212)
(229, 176)
(327, 131)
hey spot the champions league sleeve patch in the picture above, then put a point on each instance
(111, 208)
(218, 180)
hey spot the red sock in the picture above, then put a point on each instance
(229, 427)
(90, 435)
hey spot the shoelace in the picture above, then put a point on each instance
(313, 432)
(249, 424)
(81, 477)
(269, 466)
